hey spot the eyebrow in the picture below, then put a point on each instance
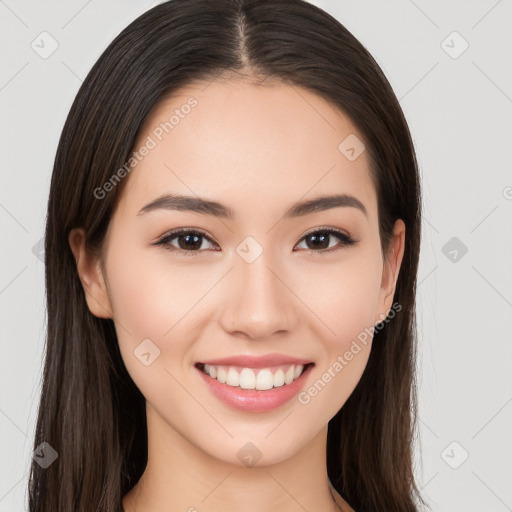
(208, 207)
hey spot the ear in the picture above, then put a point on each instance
(391, 270)
(91, 275)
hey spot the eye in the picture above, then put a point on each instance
(319, 241)
(189, 241)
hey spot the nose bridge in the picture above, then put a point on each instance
(260, 304)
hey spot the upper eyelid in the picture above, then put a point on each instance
(326, 228)
(180, 231)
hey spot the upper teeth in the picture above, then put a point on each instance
(246, 378)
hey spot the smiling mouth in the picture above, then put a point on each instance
(259, 379)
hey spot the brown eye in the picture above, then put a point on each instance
(187, 241)
(320, 240)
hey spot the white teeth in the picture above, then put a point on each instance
(210, 370)
(265, 380)
(247, 378)
(233, 378)
(222, 375)
(288, 376)
(278, 378)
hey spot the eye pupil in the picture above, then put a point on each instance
(187, 246)
(322, 238)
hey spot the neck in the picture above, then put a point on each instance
(180, 476)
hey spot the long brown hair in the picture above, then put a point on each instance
(90, 412)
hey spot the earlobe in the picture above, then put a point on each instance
(90, 274)
(391, 270)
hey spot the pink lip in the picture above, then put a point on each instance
(253, 400)
(265, 361)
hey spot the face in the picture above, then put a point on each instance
(262, 278)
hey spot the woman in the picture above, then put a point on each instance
(231, 250)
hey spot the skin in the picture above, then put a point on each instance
(257, 150)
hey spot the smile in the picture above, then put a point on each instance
(254, 389)
(261, 379)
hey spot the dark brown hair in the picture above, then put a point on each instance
(90, 410)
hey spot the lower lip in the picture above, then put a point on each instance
(253, 400)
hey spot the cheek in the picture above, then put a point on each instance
(164, 299)
(151, 300)
(153, 310)
(152, 290)
(343, 295)
(346, 304)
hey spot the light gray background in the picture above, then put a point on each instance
(459, 108)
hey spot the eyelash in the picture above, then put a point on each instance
(346, 240)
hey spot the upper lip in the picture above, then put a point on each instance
(265, 361)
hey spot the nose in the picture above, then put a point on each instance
(259, 302)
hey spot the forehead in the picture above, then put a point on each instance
(246, 144)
